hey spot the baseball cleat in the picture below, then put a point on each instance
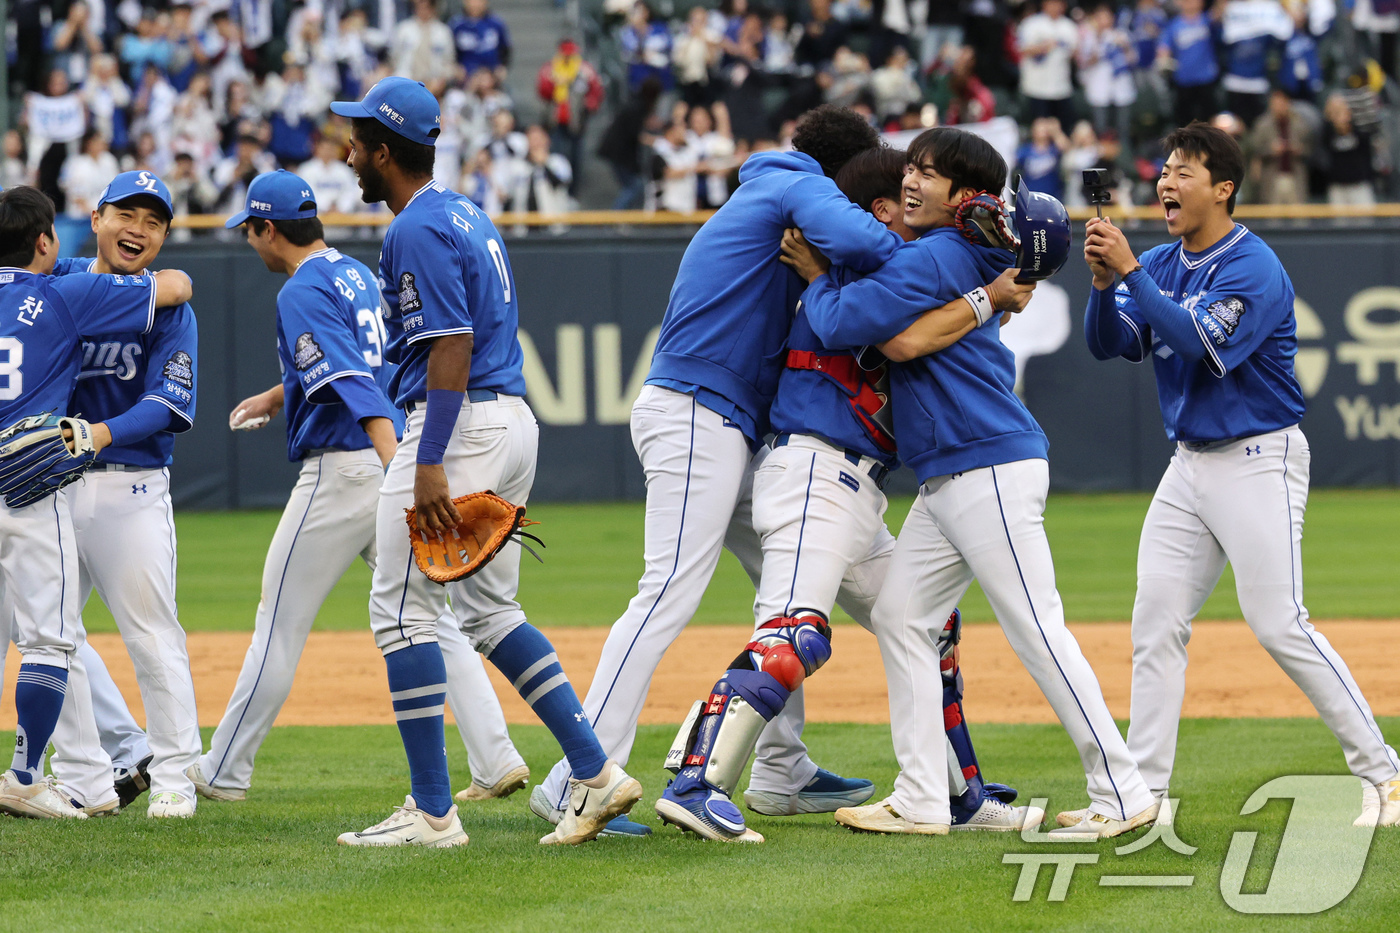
(132, 782)
(410, 826)
(169, 804)
(590, 809)
(541, 807)
(624, 826)
(883, 818)
(1165, 813)
(209, 791)
(824, 793)
(705, 812)
(512, 782)
(40, 801)
(111, 808)
(1097, 826)
(996, 817)
(1380, 804)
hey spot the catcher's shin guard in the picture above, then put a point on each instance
(791, 648)
(966, 789)
(719, 735)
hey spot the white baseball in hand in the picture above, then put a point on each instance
(238, 422)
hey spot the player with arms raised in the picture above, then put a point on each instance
(451, 313)
(1214, 311)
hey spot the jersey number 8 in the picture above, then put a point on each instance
(9, 368)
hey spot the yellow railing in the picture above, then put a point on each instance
(668, 218)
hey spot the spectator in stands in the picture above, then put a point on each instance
(742, 66)
(848, 78)
(779, 45)
(146, 156)
(1106, 73)
(507, 144)
(1187, 53)
(646, 48)
(571, 92)
(942, 34)
(479, 184)
(223, 48)
(1280, 145)
(822, 35)
(695, 55)
(960, 94)
(1253, 33)
(13, 171)
(74, 42)
(54, 120)
(1081, 153)
(894, 86)
(86, 173)
(309, 49)
(186, 48)
(195, 127)
(541, 183)
(1300, 74)
(1039, 158)
(482, 38)
(675, 169)
(233, 174)
(107, 97)
(714, 145)
(423, 48)
(1047, 42)
(1380, 21)
(1348, 161)
(355, 57)
(621, 145)
(294, 104)
(331, 180)
(147, 46)
(191, 191)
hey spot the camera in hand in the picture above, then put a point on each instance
(1096, 186)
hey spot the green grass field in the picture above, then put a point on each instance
(1350, 555)
(271, 863)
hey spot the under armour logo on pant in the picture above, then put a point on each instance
(1251, 451)
(135, 489)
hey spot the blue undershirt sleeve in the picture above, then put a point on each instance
(139, 422)
(1173, 323)
(1107, 334)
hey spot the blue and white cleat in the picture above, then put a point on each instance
(824, 793)
(705, 812)
(624, 827)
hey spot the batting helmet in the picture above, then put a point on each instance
(1042, 224)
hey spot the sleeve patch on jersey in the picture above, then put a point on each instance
(1227, 313)
(180, 369)
(409, 299)
(306, 352)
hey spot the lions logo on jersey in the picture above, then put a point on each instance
(180, 369)
(306, 352)
(408, 294)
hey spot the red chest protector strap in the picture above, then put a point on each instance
(858, 383)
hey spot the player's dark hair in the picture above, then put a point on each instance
(965, 159)
(25, 213)
(299, 232)
(1216, 149)
(833, 135)
(414, 159)
(872, 174)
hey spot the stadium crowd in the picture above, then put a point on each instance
(208, 93)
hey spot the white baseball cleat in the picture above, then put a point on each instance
(541, 807)
(1165, 813)
(512, 782)
(997, 817)
(110, 808)
(1380, 804)
(882, 818)
(410, 826)
(169, 804)
(41, 801)
(590, 808)
(1097, 826)
(209, 791)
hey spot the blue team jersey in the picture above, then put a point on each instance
(479, 41)
(443, 271)
(43, 319)
(732, 303)
(954, 410)
(119, 370)
(328, 329)
(1191, 43)
(1242, 303)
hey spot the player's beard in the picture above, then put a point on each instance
(373, 188)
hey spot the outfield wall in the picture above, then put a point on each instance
(591, 304)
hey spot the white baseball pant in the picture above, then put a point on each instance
(699, 473)
(1243, 501)
(328, 521)
(988, 524)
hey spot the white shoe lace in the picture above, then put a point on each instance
(400, 815)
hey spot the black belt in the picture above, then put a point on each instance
(101, 467)
(473, 395)
(878, 471)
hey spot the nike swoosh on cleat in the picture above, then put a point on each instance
(578, 811)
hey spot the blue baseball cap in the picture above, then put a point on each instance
(276, 195)
(405, 106)
(137, 184)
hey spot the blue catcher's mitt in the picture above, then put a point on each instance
(983, 219)
(36, 460)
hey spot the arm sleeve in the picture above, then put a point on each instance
(109, 304)
(845, 233)
(1112, 326)
(360, 395)
(432, 290)
(319, 326)
(879, 306)
(1247, 300)
(172, 371)
(139, 422)
(1176, 326)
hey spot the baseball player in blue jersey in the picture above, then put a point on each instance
(343, 431)
(981, 460)
(1214, 312)
(818, 509)
(143, 386)
(42, 319)
(450, 309)
(697, 425)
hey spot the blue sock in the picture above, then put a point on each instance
(38, 701)
(418, 688)
(528, 660)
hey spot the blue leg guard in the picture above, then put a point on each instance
(966, 788)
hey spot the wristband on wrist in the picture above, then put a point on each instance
(439, 419)
(981, 305)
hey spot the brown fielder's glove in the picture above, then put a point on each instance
(488, 522)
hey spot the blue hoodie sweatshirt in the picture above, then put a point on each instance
(724, 334)
(954, 410)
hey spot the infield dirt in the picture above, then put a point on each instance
(341, 679)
